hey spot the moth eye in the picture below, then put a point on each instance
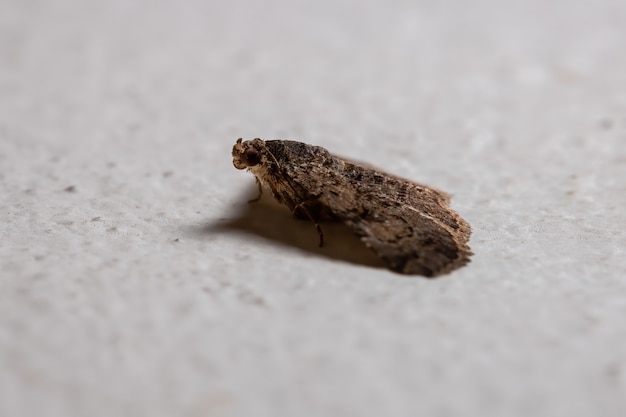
(252, 157)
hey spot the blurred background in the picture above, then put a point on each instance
(120, 296)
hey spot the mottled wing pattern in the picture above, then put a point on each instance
(408, 225)
(307, 172)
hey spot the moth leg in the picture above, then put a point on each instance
(257, 198)
(303, 209)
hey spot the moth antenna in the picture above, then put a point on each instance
(275, 160)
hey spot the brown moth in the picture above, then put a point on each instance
(408, 225)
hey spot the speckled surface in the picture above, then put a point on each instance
(135, 280)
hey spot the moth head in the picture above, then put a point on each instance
(248, 154)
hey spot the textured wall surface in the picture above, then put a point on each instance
(136, 281)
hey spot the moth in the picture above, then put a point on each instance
(409, 225)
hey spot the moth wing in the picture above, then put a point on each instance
(445, 197)
(411, 242)
(408, 225)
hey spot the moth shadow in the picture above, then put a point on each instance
(268, 219)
